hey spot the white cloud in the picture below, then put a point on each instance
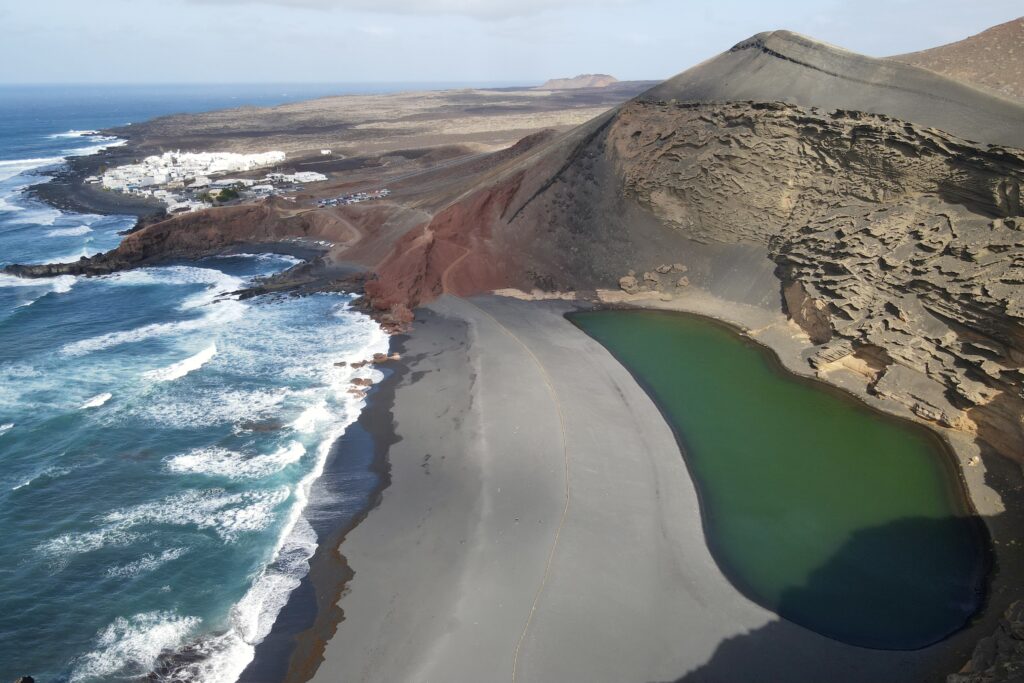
(477, 9)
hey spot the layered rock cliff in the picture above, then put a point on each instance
(886, 236)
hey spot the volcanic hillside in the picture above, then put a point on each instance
(993, 59)
(877, 204)
(783, 173)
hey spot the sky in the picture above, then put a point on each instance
(472, 41)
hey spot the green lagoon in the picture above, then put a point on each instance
(846, 521)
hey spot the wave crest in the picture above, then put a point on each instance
(221, 462)
(182, 368)
(96, 401)
(130, 647)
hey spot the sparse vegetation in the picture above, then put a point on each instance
(228, 194)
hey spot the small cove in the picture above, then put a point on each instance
(839, 518)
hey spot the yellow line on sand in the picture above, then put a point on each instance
(565, 510)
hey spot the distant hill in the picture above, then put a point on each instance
(992, 59)
(580, 82)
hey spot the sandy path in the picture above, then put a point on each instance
(541, 526)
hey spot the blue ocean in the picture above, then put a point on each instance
(159, 439)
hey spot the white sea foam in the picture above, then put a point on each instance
(224, 312)
(62, 284)
(70, 232)
(203, 407)
(58, 285)
(96, 401)
(182, 368)
(286, 258)
(219, 658)
(129, 648)
(6, 427)
(85, 251)
(320, 409)
(221, 462)
(39, 215)
(218, 283)
(73, 134)
(146, 563)
(13, 167)
(15, 281)
(7, 207)
(105, 143)
(254, 615)
(63, 547)
(313, 417)
(226, 514)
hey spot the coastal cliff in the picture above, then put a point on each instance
(204, 233)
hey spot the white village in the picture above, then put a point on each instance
(184, 180)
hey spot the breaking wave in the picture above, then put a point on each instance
(221, 462)
(70, 232)
(146, 563)
(225, 312)
(182, 368)
(73, 134)
(96, 401)
(15, 167)
(129, 647)
(48, 473)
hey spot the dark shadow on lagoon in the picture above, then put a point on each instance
(844, 520)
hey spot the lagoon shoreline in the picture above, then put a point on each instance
(422, 560)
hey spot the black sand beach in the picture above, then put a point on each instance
(483, 561)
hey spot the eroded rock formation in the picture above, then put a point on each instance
(998, 658)
(884, 234)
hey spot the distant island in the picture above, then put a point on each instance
(579, 82)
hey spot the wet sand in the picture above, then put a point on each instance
(541, 525)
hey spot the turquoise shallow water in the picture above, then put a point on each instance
(843, 520)
(159, 440)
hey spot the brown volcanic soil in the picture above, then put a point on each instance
(373, 138)
(992, 60)
(374, 125)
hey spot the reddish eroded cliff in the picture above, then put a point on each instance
(204, 233)
(455, 252)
